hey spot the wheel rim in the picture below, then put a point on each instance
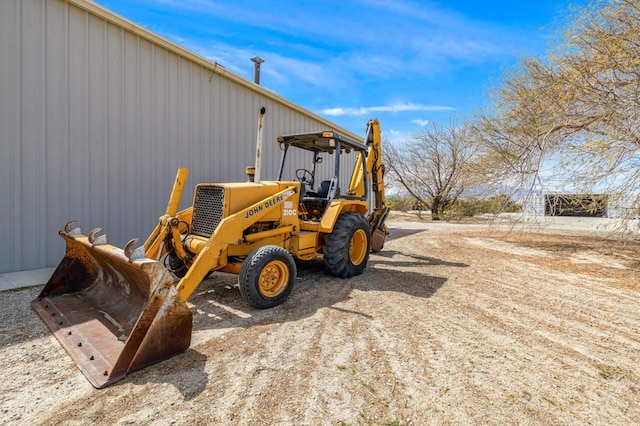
(358, 247)
(273, 278)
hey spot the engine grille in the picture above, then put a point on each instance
(208, 209)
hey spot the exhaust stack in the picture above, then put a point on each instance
(258, 165)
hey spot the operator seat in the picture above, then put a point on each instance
(323, 189)
(316, 201)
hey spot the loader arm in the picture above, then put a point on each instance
(153, 245)
(212, 254)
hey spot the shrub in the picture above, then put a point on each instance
(473, 206)
(402, 203)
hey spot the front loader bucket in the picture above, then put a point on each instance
(113, 315)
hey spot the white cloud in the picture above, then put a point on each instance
(394, 136)
(432, 35)
(358, 111)
(419, 122)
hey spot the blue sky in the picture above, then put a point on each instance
(405, 62)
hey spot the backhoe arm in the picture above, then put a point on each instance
(374, 163)
(375, 171)
(373, 166)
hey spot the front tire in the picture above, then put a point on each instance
(346, 249)
(267, 277)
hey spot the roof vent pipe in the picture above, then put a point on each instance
(256, 68)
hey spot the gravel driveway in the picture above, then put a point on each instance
(449, 324)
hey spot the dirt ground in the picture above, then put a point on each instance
(450, 324)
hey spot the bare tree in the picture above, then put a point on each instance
(434, 166)
(580, 106)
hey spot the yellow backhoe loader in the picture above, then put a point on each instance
(118, 310)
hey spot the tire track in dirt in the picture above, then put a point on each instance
(571, 316)
(538, 310)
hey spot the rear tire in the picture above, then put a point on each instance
(267, 277)
(346, 249)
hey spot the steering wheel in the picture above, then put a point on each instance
(302, 174)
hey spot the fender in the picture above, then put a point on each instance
(336, 208)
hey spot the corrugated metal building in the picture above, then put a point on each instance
(97, 114)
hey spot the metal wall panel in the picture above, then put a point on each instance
(95, 120)
(10, 133)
